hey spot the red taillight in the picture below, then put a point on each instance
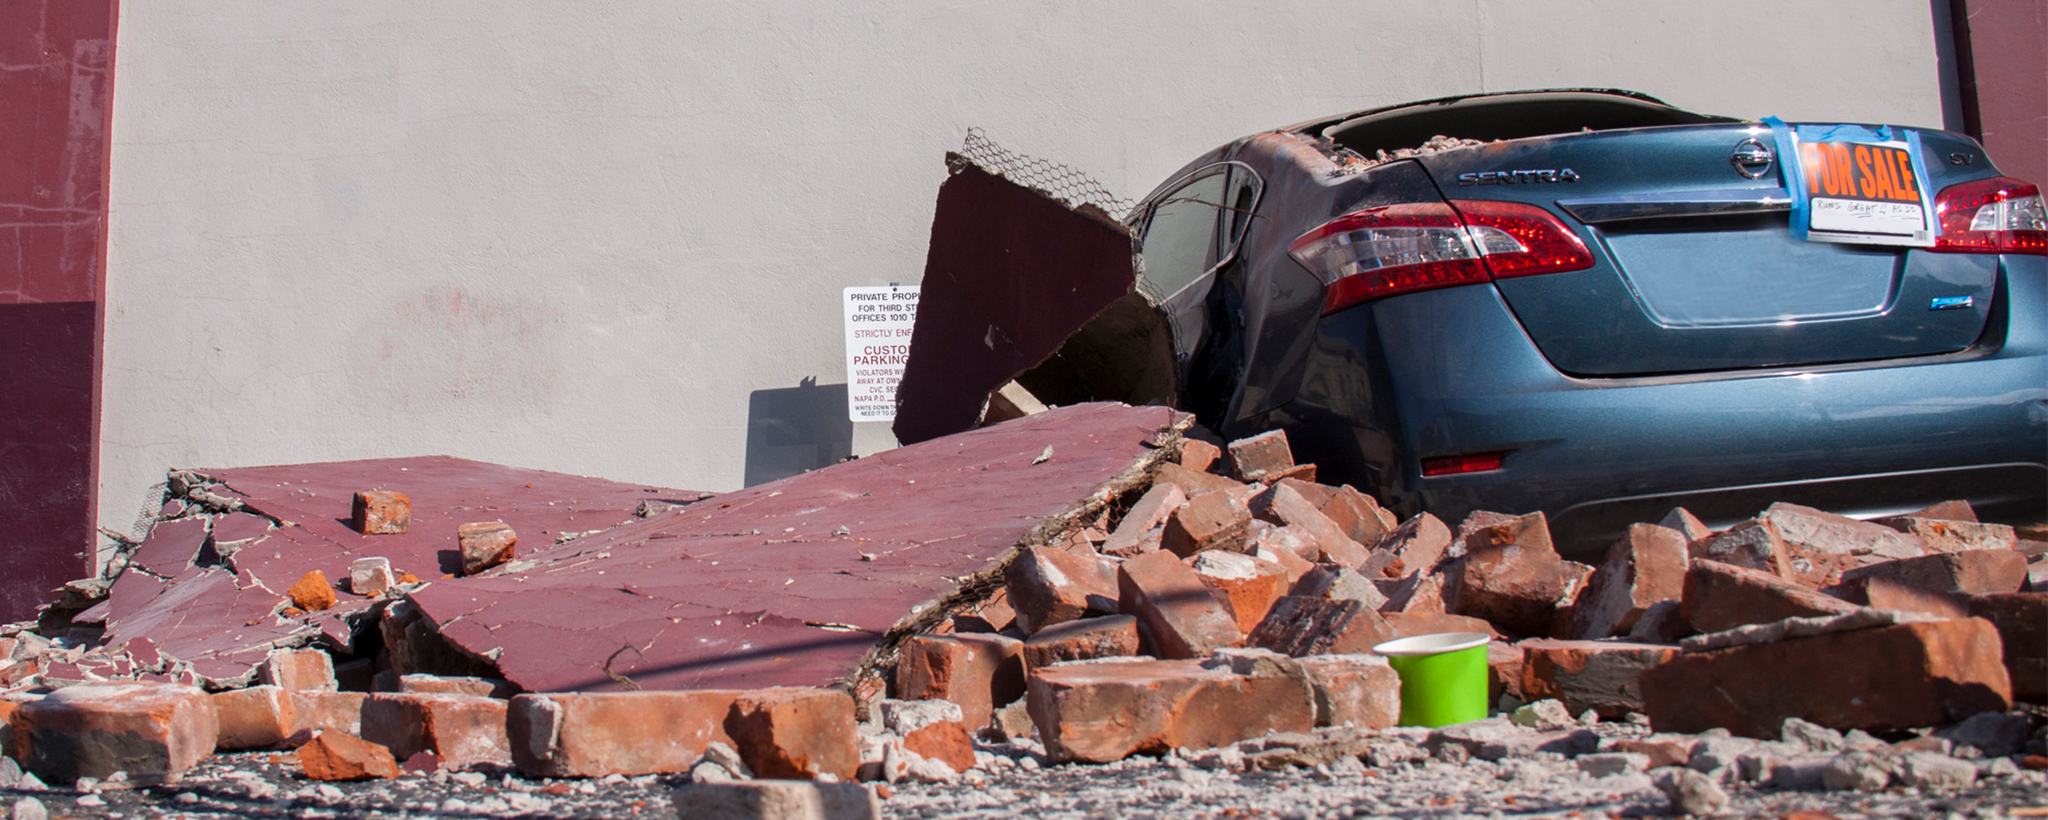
(1454, 465)
(1394, 249)
(1996, 215)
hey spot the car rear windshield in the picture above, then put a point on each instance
(1504, 118)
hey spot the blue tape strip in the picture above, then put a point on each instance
(1920, 174)
(1791, 172)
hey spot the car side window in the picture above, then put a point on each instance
(1180, 237)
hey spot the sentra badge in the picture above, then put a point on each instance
(1519, 177)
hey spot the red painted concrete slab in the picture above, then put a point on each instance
(791, 582)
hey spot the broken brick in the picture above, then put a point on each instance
(1105, 710)
(1196, 454)
(1882, 593)
(1086, 639)
(1514, 586)
(312, 592)
(1416, 593)
(1504, 664)
(327, 711)
(1181, 615)
(1596, 675)
(1818, 531)
(258, 717)
(978, 672)
(947, 741)
(485, 544)
(370, 576)
(2021, 619)
(1260, 456)
(1646, 566)
(1333, 581)
(1284, 505)
(298, 670)
(1483, 529)
(1249, 585)
(381, 512)
(154, 733)
(1356, 514)
(1722, 596)
(1753, 544)
(1193, 482)
(1208, 521)
(1354, 690)
(1148, 514)
(595, 734)
(1978, 572)
(340, 756)
(1687, 524)
(1047, 586)
(1282, 546)
(463, 731)
(992, 615)
(1300, 626)
(448, 685)
(1411, 624)
(1417, 545)
(796, 733)
(1943, 536)
(1902, 676)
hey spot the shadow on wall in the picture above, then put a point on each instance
(793, 429)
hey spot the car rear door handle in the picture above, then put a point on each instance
(1665, 206)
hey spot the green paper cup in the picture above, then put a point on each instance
(1443, 677)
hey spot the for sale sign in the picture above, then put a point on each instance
(878, 325)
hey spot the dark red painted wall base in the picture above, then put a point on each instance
(46, 454)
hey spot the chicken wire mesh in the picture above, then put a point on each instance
(1051, 178)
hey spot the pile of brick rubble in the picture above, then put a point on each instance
(1222, 614)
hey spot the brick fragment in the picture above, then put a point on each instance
(1105, 710)
(1249, 585)
(1504, 664)
(1333, 581)
(1806, 528)
(1416, 593)
(992, 615)
(1881, 593)
(1411, 624)
(1284, 505)
(485, 544)
(1193, 482)
(1978, 572)
(1687, 524)
(1596, 675)
(2021, 619)
(1356, 514)
(1196, 454)
(1106, 637)
(1260, 456)
(1906, 675)
(298, 670)
(1354, 690)
(444, 685)
(1047, 586)
(463, 731)
(1753, 544)
(312, 592)
(1662, 749)
(370, 576)
(1947, 511)
(1282, 546)
(977, 671)
(1181, 615)
(1646, 566)
(1514, 586)
(1301, 626)
(1942, 536)
(796, 733)
(946, 741)
(1662, 623)
(381, 512)
(778, 800)
(1417, 545)
(1209, 521)
(258, 717)
(1148, 514)
(153, 732)
(1484, 529)
(594, 734)
(1721, 596)
(327, 711)
(342, 756)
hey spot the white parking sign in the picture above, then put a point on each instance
(878, 325)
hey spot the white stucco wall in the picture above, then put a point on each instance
(577, 236)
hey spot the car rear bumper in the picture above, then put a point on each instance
(1596, 454)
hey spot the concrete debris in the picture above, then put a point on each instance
(778, 800)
